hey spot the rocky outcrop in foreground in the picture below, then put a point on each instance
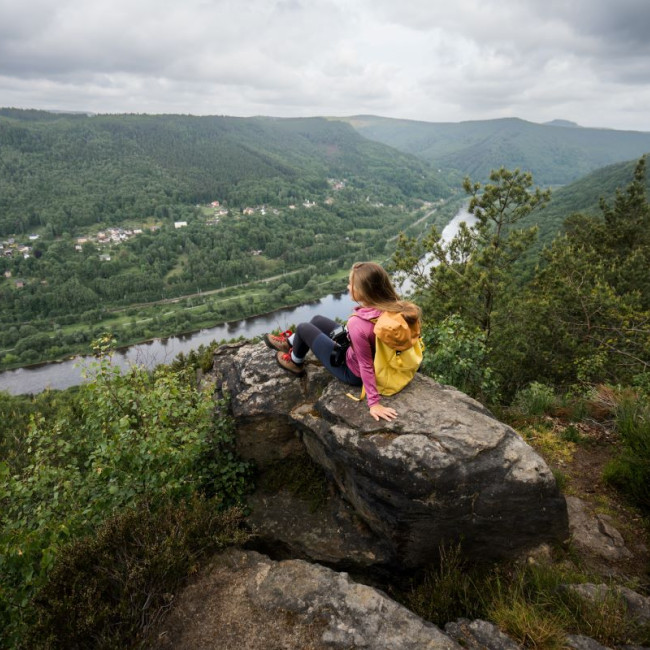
(257, 603)
(444, 472)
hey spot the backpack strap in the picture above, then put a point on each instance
(361, 397)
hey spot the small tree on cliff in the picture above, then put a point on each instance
(473, 274)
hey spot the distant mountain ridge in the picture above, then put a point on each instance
(553, 153)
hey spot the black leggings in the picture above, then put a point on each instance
(314, 336)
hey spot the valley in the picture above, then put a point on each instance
(146, 226)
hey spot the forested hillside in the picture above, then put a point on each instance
(555, 155)
(582, 196)
(63, 171)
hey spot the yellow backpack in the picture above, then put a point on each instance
(398, 353)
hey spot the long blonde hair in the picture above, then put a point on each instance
(372, 286)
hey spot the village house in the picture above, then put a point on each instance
(180, 224)
(335, 184)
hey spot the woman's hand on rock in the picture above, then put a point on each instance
(382, 412)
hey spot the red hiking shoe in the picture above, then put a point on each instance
(285, 361)
(279, 343)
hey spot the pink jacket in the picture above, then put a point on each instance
(360, 355)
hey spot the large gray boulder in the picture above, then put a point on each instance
(444, 472)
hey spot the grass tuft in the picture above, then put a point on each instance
(527, 601)
(630, 470)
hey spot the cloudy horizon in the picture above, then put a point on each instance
(585, 61)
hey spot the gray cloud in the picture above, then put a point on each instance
(420, 59)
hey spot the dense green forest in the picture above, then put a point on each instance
(555, 155)
(63, 294)
(61, 172)
(299, 200)
(583, 313)
(582, 196)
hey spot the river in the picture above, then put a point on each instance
(63, 374)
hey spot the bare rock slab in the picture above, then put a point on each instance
(353, 615)
(245, 601)
(594, 533)
(480, 635)
(444, 472)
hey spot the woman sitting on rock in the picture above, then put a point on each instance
(369, 286)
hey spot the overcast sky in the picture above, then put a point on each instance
(435, 60)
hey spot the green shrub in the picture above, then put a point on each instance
(456, 354)
(630, 470)
(537, 399)
(109, 589)
(123, 439)
(572, 434)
